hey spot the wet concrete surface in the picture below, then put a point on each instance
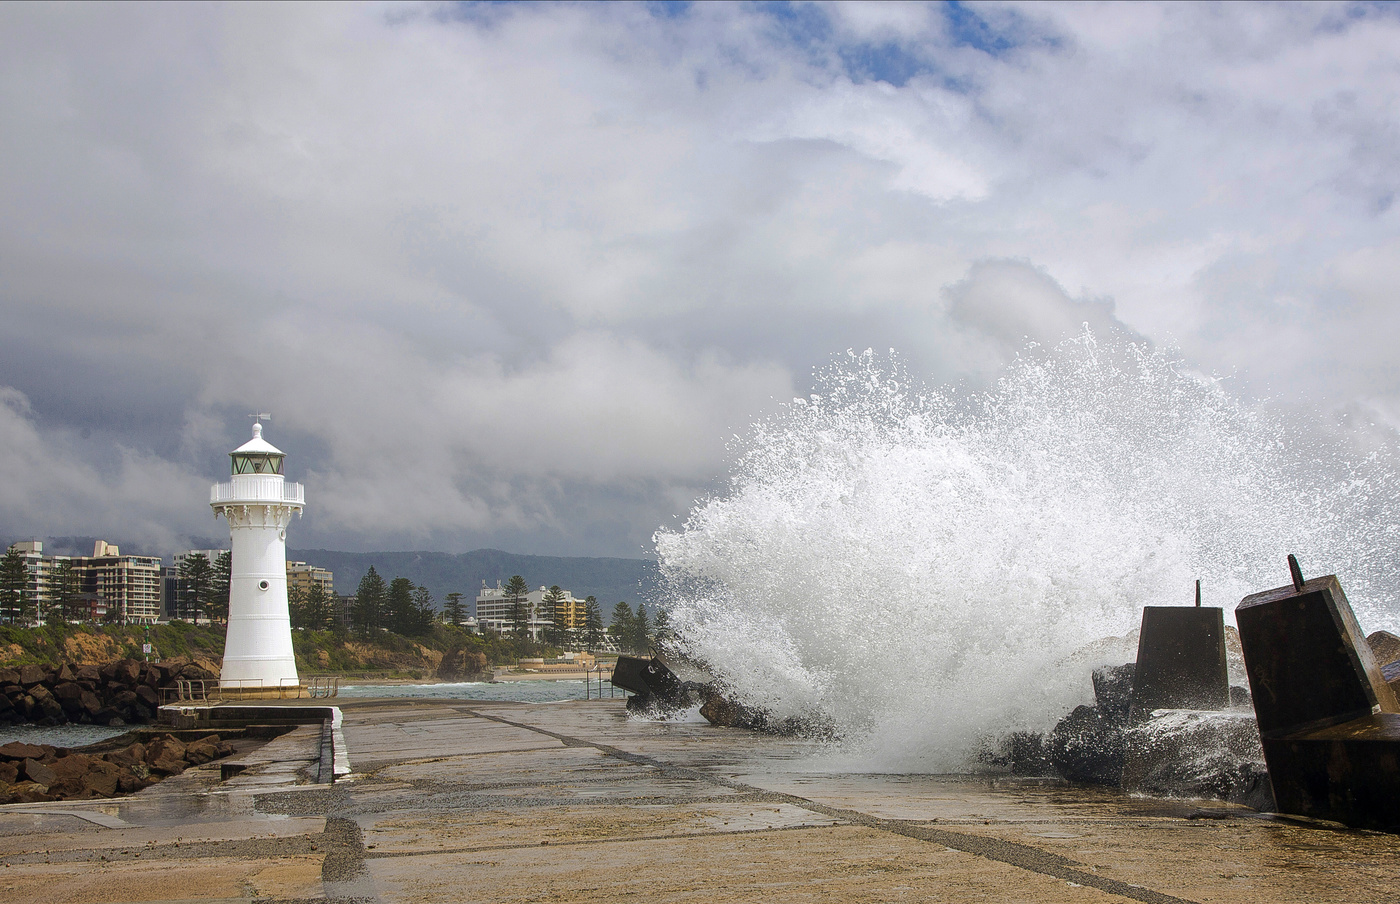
(467, 801)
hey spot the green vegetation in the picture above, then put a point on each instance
(59, 642)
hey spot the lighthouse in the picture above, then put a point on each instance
(258, 504)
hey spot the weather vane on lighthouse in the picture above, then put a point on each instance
(258, 505)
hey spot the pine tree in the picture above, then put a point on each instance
(196, 584)
(641, 631)
(620, 630)
(296, 606)
(515, 591)
(424, 612)
(222, 577)
(14, 588)
(370, 598)
(558, 616)
(453, 612)
(317, 614)
(592, 623)
(399, 617)
(63, 592)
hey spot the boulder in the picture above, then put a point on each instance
(1193, 753)
(18, 750)
(50, 706)
(89, 673)
(68, 774)
(123, 671)
(148, 696)
(9, 772)
(1113, 691)
(166, 755)
(70, 696)
(1385, 647)
(26, 793)
(30, 675)
(128, 757)
(1087, 747)
(202, 751)
(9, 676)
(39, 773)
(101, 779)
(63, 673)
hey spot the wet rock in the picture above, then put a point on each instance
(1113, 691)
(1027, 753)
(1087, 747)
(1192, 753)
(725, 712)
(166, 755)
(1385, 647)
(202, 751)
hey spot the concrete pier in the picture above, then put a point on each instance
(463, 801)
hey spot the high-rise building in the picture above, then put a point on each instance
(111, 586)
(496, 611)
(301, 576)
(129, 585)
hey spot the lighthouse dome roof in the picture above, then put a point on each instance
(257, 444)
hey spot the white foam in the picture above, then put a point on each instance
(929, 571)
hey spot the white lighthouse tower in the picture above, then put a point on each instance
(258, 505)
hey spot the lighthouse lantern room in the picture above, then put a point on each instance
(258, 505)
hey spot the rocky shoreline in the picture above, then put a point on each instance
(31, 773)
(124, 692)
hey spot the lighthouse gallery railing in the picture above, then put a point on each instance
(258, 489)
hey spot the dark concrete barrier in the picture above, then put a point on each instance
(1329, 722)
(1180, 660)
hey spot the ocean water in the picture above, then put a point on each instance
(515, 691)
(931, 569)
(59, 735)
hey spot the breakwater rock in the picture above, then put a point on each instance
(38, 772)
(118, 693)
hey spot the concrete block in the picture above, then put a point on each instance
(1181, 660)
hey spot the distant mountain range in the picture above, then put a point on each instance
(610, 580)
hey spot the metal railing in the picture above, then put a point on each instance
(258, 488)
(213, 690)
(596, 674)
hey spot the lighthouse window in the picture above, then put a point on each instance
(257, 464)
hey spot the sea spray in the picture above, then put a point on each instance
(930, 572)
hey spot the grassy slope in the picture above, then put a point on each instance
(317, 652)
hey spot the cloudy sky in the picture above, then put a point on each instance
(512, 275)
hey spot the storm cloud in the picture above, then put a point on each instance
(512, 275)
